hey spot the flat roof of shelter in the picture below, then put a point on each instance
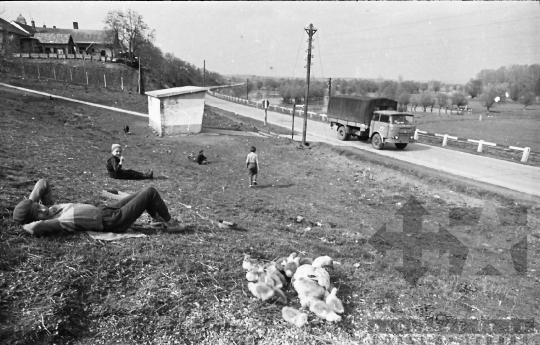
(176, 91)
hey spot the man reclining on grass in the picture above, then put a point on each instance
(39, 216)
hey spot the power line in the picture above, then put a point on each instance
(298, 54)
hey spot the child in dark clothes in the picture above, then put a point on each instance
(201, 159)
(114, 167)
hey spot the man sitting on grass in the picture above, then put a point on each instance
(39, 216)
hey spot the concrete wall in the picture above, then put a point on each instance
(154, 112)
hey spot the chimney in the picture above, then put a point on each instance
(75, 25)
(33, 24)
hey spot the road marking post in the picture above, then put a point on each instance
(525, 156)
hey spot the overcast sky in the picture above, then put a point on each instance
(447, 41)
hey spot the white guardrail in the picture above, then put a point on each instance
(324, 117)
(311, 114)
(481, 143)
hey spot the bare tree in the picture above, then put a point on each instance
(426, 100)
(490, 97)
(459, 99)
(442, 100)
(404, 99)
(131, 29)
(435, 85)
(527, 99)
(474, 87)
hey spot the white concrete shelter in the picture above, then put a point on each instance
(177, 110)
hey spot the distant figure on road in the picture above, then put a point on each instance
(114, 167)
(40, 216)
(252, 164)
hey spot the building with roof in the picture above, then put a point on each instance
(52, 42)
(10, 36)
(55, 40)
(177, 110)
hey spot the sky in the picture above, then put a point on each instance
(448, 41)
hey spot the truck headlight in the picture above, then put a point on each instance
(412, 138)
(396, 137)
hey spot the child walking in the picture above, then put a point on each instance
(114, 167)
(252, 164)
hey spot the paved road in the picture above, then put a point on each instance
(514, 176)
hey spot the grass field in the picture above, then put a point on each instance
(506, 124)
(190, 288)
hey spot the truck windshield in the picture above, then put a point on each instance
(402, 119)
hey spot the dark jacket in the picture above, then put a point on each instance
(201, 158)
(114, 167)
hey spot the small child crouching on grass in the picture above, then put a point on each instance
(252, 164)
(200, 158)
(114, 167)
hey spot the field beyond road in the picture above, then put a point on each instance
(190, 288)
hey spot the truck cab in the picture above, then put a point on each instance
(389, 126)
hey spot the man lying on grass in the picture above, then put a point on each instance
(39, 216)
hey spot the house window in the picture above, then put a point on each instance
(60, 51)
(47, 50)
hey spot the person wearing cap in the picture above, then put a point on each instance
(115, 170)
(40, 216)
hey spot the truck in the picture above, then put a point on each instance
(371, 118)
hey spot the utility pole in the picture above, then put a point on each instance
(329, 88)
(310, 31)
(247, 89)
(293, 111)
(204, 74)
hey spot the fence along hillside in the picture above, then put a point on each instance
(85, 74)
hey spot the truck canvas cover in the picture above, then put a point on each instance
(357, 108)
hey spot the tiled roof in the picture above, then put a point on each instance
(28, 28)
(84, 36)
(7, 26)
(49, 37)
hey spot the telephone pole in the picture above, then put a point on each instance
(310, 31)
(247, 89)
(329, 88)
(204, 74)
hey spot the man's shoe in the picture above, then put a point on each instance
(174, 226)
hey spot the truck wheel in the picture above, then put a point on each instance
(401, 146)
(342, 134)
(377, 142)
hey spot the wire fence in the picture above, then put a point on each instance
(112, 78)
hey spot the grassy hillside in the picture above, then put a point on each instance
(190, 288)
